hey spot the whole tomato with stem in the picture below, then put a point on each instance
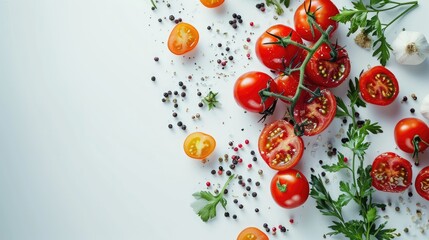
(391, 173)
(273, 53)
(422, 183)
(378, 86)
(320, 12)
(412, 136)
(287, 84)
(252, 233)
(290, 188)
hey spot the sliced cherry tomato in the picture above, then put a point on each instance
(287, 84)
(391, 173)
(378, 86)
(422, 183)
(322, 11)
(315, 115)
(325, 71)
(275, 56)
(252, 233)
(247, 88)
(279, 146)
(212, 3)
(199, 145)
(411, 135)
(183, 38)
(290, 188)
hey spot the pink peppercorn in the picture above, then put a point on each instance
(236, 149)
(208, 184)
(220, 172)
(291, 221)
(248, 39)
(346, 159)
(240, 160)
(240, 145)
(246, 141)
(249, 165)
(252, 24)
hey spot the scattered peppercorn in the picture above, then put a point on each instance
(257, 184)
(226, 214)
(213, 172)
(254, 194)
(171, 17)
(240, 206)
(170, 125)
(153, 78)
(412, 110)
(234, 216)
(156, 59)
(256, 209)
(414, 97)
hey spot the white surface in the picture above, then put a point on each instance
(85, 152)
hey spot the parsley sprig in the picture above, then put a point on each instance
(278, 5)
(359, 190)
(206, 203)
(211, 100)
(367, 17)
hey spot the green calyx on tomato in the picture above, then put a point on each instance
(290, 188)
(281, 187)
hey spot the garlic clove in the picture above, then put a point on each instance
(410, 48)
(424, 107)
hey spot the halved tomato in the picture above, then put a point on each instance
(279, 146)
(212, 3)
(422, 183)
(391, 173)
(378, 86)
(183, 38)
(252, 233)
(315, 115)
(199, 145)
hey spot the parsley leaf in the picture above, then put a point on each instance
(278, 5)
(211, 100)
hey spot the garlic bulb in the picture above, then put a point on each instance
(410, 48)
(424, 107)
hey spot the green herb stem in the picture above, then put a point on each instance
(153, 4)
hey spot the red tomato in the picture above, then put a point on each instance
(252, 233)
(391, 173)
(246, 91)
(275, 56)
(279, 146)
(199, 145)
(324, 71)
(322, 11)
(287, 84)
(183, 38)
(409, 131)
(317, 114)
(212, 3)
(290, 188)
(422, 183)
(378, 86)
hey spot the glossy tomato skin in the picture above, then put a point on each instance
(199, 145)
(287, 84)
(317, 114)
(183, 38)
(422, 183)
(252, 233)
(391, 173)
(323, 10)
(324, 71)
(246, 91)
(290, 188)
(275, 56)
(406, 130)
(378, 86)
(279, 146)
(212, 3)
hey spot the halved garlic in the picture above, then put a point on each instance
(410, 48)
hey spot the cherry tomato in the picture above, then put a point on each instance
(324, 71)
(252, 233)
(317, 114)
(279, 146)
(378, 86)
(247, 88)
(275, 56)
(290, 188)
(422, 183)
(183, 38)
(199, 145)
(287, 84)
(391, 173)
(407, 131)
(322, 11)
(212, 3)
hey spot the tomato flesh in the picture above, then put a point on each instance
(199, 145)
(290, 188)
(212, 3)
(317, 115)
(422, 183)
(406, 130)
(252, 233)
(391, 173)
(183, 38)
(378, 86)
(279, 146)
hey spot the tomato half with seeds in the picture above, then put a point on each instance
(183, 38)
(252, 233)
(391, 173)
(422, 183)
(325, 71)
(212, 3)
(411, 135)
(275, 56)
(322, 11)
(279, 146)
(247, 91)
(290, 188)
(199, 145)
(316, 114)
(378, 86)
(287, 84)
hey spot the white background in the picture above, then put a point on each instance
(85, 152)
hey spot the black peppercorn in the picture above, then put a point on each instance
(170, 125)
